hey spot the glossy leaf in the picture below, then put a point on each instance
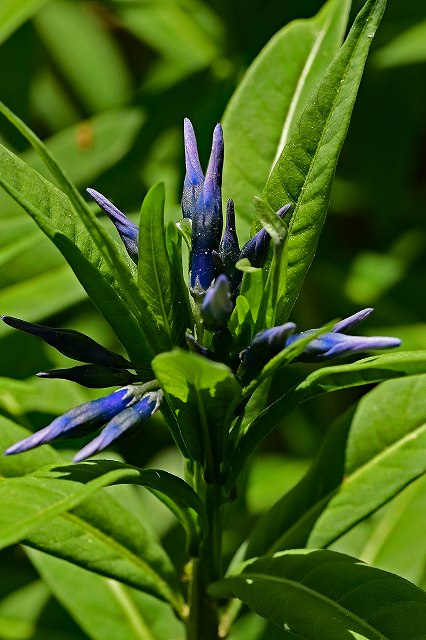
(384, 453)
(104, 609)
(156, 278)
(117, 267)
(304, 172)
(202, 395)
(53, 212)
(366, 371)
(324, 595)
(268, 102)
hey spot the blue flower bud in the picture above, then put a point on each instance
(229, 250)
(78, 421)
(217, 305)
(265, 345)
(124, 422)
(336, 343)
(207, 220)
(256, 249)
(194, 178)
(93, 376)
(71, 343)
(332, 345)
(352, 321)
(127, 230)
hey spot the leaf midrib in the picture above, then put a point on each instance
(316, 594)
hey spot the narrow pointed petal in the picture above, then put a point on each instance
(194, 178)
(207, 220)
(70, 343)
(127, 230)
(352, 321)
(79, 420)
(125, 421)
(229, 250)
(217, 306)
(92, 376)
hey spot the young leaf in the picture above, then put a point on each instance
(159, 287)
(304, 172)
(366, 371)
(384, 453)
(202, 394)
(324, 595)
(267, 104)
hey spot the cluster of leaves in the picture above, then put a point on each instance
(376, 449)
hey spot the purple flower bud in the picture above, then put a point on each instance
(229, 250)
(93, 376)
(207, 219)
(332, 345)
(124, 422)
(127, 230)
(337, 343)
(265, 345)
(71, 343)
(194, 178)
(352, 321)
(256, 249)
(217, 305)
(78, 421)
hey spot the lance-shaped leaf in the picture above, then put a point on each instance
(160, 288)
(120, 546)
(304, 172)
(267, 104)
(202, 395)
(384, 453)
(119, 612)
(102, 248)
(53, 212)
(366, 371)
(324, 595)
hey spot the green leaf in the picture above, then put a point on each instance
(156, 278)
(202, 395)
(304, 172)
(85, 53)
(52, 211)
(323, 595)
(99, 535)
(366, 371)
(384, 453)
(104, 609)
(92, 146)
(44, 295)
(268, 102)
(13, 13)
(117, 266)
(408, 47)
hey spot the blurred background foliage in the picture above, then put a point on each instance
(106, 84)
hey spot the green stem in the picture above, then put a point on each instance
(203, 619)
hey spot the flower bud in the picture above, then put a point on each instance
(217, 306)
(127, 230)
